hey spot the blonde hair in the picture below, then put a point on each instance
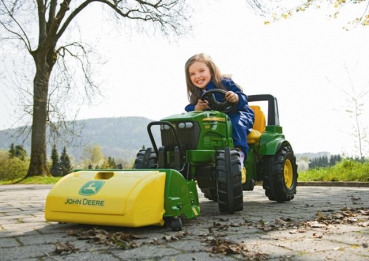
(194, 93)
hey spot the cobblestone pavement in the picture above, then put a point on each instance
(321, 223)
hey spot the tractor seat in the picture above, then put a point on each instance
(259, 125)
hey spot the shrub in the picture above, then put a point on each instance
(13, 168)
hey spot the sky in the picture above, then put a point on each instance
(306, 62)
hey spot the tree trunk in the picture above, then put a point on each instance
(38, 163)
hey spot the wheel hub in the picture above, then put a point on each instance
(288, 173)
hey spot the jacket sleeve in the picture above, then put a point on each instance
(190, 107)
(242, 98)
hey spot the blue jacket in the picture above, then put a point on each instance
(242, 117)
(242, 105)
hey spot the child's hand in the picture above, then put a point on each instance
(201, 105)
(231, 97)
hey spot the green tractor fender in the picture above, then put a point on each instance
(271, 147)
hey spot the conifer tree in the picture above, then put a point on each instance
(55, 163)
(112, 163)
(20, 152)
(17, 151)
(11, 151)
(65, 164)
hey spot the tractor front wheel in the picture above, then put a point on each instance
(229, 180)
(280, 180)
(210, 194)
(146, 159)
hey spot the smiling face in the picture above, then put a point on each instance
(200, 74)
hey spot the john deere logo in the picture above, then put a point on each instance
(91, 188)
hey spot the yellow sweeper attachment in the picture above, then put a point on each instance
(129, 198)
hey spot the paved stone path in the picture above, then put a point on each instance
(321, 223)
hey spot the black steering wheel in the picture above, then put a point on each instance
(222, 106)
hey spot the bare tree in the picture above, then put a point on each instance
(355, 101)
(50, 45)
(277, 9)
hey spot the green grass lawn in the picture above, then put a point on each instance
(32, 180)
(346, 170)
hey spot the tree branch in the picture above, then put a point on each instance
(52, 12)
(142, 10)
(21, 36)
(52, 38)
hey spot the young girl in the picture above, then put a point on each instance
(202, 75)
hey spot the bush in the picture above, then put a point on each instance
(12, 168)
(346, 170)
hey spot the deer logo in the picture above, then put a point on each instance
(91, 188)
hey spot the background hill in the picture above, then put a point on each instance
(119, 137)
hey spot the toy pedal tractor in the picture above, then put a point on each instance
(196, 151)
(199, 145)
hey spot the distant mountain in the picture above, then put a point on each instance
(313, 155)
(119, 137)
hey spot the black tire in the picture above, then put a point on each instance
(210, 194)
(229, 180)
(146, 159)
(176, 224)
(248, 185)
(280, 177)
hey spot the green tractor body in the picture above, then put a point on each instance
(199, 145)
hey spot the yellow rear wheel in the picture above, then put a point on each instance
(281, 180)
(288, 173)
